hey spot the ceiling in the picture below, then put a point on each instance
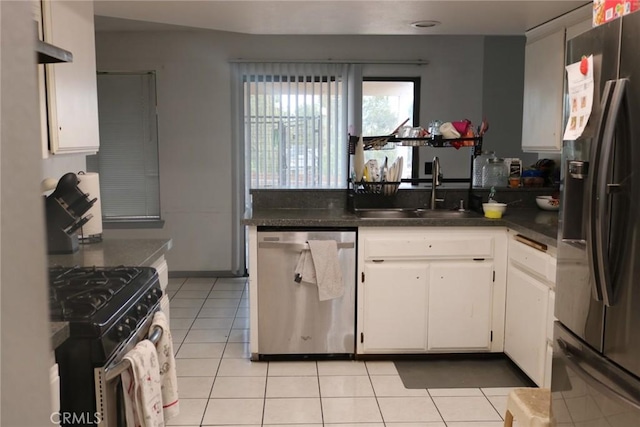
(339, 17)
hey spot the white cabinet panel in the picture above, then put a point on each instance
(395, 301)
(533, 261)
(428, 246)
(543, 94)
(72, 94)
(460, 305)
(396, 266)
(526, 323)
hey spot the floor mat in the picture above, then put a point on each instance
(461, 372)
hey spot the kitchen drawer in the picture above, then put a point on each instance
(533, 261)
(428, 247)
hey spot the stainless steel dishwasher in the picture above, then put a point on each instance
(292, 322)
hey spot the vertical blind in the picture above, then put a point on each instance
(294, 124)
(128, 156)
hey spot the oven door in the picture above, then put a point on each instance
(109, 395)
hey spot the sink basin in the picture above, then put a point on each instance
(443, 213)
(387, 214)
(412, 214)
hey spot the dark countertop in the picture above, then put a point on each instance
(59, 333)
(114, 252)
(536, 224)
(109, 252)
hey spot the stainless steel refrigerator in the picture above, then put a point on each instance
(596, 362)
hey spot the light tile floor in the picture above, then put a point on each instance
(219, 385)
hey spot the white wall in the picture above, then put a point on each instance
(24, 313)
(57, 165)
(193, 81)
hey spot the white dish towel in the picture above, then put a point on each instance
(167, 363)
(141, 385)
(320, 265)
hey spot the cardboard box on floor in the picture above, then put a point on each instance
(607, 10)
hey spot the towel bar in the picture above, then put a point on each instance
(124, 364)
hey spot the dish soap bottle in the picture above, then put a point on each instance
(492, 195)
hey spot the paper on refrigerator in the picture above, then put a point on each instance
(580, 91)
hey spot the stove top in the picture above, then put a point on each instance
(93, 298)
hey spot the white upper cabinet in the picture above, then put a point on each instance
(544, 80)
(543, 88)
(72, 97)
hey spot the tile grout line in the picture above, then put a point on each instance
(375, 395)
(215, 375)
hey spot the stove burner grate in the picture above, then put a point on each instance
(79, 292)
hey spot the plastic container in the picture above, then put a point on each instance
(495, 173)
(494, 210)
(478, 164)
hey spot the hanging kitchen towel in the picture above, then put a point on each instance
(327, 268)
(141, 386)
(167, 363)
(305, 270)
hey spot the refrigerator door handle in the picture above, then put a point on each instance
(608, 384)
(603, 189)
(592, 181)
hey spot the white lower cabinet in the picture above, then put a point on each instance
(460, 305)
(526, 323)
(529, 311)
(430, 289)
(396, 297)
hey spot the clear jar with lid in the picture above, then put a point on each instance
(495, 173)
(478, 164)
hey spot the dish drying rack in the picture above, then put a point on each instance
(367, 195)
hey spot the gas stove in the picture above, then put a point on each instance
(109, 310)
(92, 299)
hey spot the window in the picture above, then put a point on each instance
(295, 131)
(128, 158)
(387, 102)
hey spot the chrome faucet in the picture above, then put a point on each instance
(436, 176)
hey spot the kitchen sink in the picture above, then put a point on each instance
(413, 214)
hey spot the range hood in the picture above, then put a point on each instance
(50, 54)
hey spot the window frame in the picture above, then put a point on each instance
(415, 151)
(132, 221)
(293, 74)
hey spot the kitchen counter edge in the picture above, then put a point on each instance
(115, 252)
(59, 333)
(541, 226)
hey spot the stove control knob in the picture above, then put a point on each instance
(123, 331)
(151, 298)
(142, 310)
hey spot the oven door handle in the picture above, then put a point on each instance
(124, 364)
